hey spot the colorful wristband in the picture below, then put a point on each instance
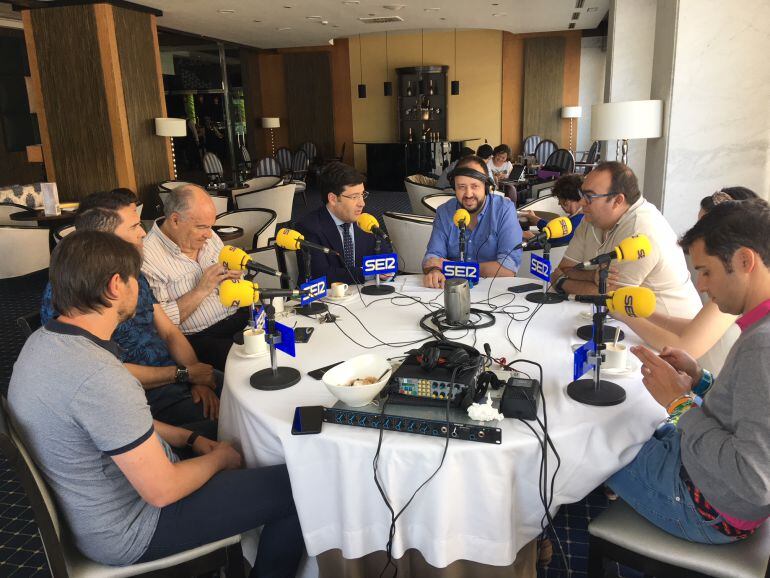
(705, 383)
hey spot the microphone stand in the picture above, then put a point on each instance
(274, 377)
(587, 332)
(597, 391)
(377, 289)
(543, 296)
(462, 244)
(314, 308)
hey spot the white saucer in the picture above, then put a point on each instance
(239, 351)
(632, 365)
(349, 296)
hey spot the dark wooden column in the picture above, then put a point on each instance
(95, 70)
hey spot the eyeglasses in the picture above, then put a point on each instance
(589, 197)
(356, 198)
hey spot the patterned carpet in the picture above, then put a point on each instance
(21, 553)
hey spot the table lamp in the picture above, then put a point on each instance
(171, 127)
(271, 123)
(623, 121)
(571, 112)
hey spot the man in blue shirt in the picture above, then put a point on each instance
(492, 234)
(179, 388)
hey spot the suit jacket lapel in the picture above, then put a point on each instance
(330, 230)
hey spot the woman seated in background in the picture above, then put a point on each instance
(567, 191)
(699, 335)
(500, 163)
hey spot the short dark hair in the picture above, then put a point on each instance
(466, 152)
(503, 148)
(115, 200)
(98, 219)
(335, 177)
(82, 265)
(465, 161)
(731, 225)
(567, 188)
(727, 193)
(623, 180)
(485, 151)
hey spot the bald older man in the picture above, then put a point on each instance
(181, 264)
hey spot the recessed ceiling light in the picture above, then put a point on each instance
(592, 9)
(394, 7)
(496, 14)
(313, 17)
(226, 11)
(431, 9)
(495, 4)
(324, 22)
(442, 18)
(283, 29)
(288, 6)
(372, 14)
(335, 26)
(350, 2)
(257, 21)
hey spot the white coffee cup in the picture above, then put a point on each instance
(254, 341)
(338, 289)
(278, 304)
(615, 356)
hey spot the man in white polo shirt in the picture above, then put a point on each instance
(614, 209)
(181, 263)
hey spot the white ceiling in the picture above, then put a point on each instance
(341, 17)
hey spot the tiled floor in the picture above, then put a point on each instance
(21, 552)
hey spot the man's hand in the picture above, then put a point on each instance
(531, 216)
(202, 446)
(661, 379)
(612, 279)
(209, 399)
(682, 361)
(435, 279)
(230, 458)
(213, 276)
(202, 374)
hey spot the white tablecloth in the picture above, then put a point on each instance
(483, 505)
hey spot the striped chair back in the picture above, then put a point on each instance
(543, 150)
(563, 159)
(246, 157)
(300, 165)
(213, 166)
(284, 156)
(268, 167)
(310, 150)
(530, 144)
(594, 153)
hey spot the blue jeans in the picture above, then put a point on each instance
(651, 485)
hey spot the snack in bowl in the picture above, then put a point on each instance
(355, 382)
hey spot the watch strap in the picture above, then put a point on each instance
(191, 439)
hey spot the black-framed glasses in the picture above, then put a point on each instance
(589, 197)
(356, 198)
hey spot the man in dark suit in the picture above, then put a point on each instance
(334, 225)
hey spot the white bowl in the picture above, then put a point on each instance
(359, 367)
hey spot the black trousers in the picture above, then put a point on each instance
(213, 343)
(232, 502)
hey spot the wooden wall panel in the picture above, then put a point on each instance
(543, 86)
(309, 100)
(571, 90)
(75, 102)
(341, 99)
(143, 98)
(272, 83)
(512, 92)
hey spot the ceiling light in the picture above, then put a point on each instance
(283, 29)
(571, 25)
(394, 7)
(495, 4)
(592, 9)
(324, 22)
(350, 2)
(335, 26)
(496, 14)
(372, 14)
(442, 18)
(257, 21)
(226, 11)
(288, 6)
(313, 17)
(575, 15)
(431, 9)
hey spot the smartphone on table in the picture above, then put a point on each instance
(308, 419)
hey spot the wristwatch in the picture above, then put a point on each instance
(559, 284)
(182, 374)
(191, 439)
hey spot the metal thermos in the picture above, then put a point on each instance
(457, 301)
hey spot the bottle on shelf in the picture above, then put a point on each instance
(409, 91)
(430, 87)
(410, 138)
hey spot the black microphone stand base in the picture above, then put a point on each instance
(585, 332)
(544, 298)
(585, 391)
(314, 308)
(269, 380)
(377, 289)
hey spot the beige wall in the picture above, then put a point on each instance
(474, 113)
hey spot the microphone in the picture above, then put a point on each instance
(629, 249)
(461, 218)
(369, 224)
(240, 293)
(237, 259)
(293, 240)
(632, 301)
(555, 229)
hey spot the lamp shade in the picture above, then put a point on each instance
(170, 127)
(271, 122)
(627, 120)
(571, 111)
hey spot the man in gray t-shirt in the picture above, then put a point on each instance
(121, 490)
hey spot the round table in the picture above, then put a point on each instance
(483, 505)
(43, 219)
(226, 232)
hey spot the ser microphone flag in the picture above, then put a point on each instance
(241, 293)
(632, 301)
(237, 259)
(292, 240)
(369, 224)
(555, 229)
(629, 249)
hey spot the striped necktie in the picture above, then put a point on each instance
(347, 246)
